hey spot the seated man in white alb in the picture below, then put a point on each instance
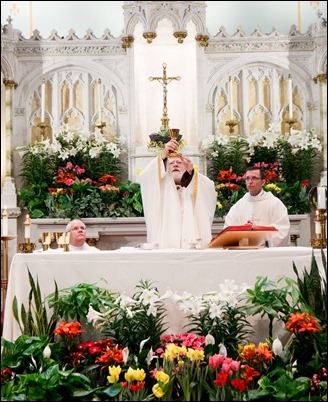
(260, 208)
(77, 238)
(179, 203)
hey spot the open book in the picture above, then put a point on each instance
(243, 236)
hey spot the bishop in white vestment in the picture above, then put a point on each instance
(179, 203)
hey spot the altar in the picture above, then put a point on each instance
(111, 234)
(194, 271)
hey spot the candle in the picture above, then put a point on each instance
(230, 98)
(43, 100)
(99, 100)
(5, 222)
(317, 224)
(27, 224)
(321, 198)
(290, 97)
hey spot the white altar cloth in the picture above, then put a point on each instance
(194, 271)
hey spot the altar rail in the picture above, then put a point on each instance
(111, 234)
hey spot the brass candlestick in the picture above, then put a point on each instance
(231, 123)
(320, 238)
(4, 268)
(101, 125)
(290, 122)
(42, 126)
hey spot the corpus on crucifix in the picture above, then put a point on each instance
(164, 80)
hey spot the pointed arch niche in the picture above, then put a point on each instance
(72, 97)
(259, 98)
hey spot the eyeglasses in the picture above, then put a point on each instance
(252, 178)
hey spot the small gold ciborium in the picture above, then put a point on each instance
(45, 239)
(62, 239)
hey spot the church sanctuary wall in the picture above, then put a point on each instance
(74, 69)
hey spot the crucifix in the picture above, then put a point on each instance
(164, 80)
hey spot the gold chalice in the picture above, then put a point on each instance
(174, 135)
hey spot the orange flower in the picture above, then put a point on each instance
(111, 355)
(69, 329)
(303, 322)
(107, 179)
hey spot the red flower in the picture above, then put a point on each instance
(221, 379)
(249, 374)
(239, 384)
(137, 387)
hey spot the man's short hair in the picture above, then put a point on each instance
(259, 168)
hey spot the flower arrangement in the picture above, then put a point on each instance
(94, 362)
(78, 175)
(291, 161)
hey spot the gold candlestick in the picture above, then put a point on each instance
(231, 123)
(290, 122)
(4, 270)
(42, 126)
(101, 125)
(320, 238)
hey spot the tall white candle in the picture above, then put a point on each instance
(5, 222)
(43, 100)
(290, 96)
(230, 98)
(27, 224)
(321, 197)
(317, 224)
(99, 100)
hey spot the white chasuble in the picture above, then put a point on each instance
(176, 216)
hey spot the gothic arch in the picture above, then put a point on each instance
(6, 69)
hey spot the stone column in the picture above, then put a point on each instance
(8, 191)
(322, 80)
(9, 86)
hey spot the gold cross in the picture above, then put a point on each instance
(164, 80)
